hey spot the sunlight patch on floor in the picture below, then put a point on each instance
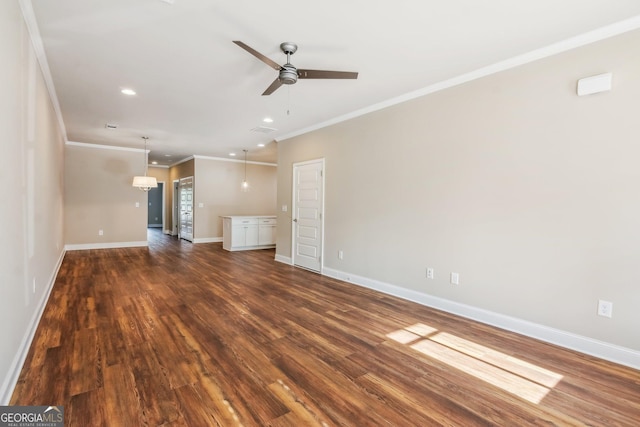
(516, 376)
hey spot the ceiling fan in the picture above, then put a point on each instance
(288, 74)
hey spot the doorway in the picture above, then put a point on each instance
(308, 209)
(155, 213)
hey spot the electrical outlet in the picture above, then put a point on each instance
(605, 308)
(455, 278)
(340, 254)
(100, 232)
(429, 273)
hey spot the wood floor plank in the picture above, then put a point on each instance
(122, 400)
(178, 334)
(86, 362)
(87, 409)
(157, 399)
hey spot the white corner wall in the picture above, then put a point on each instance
(31, 169)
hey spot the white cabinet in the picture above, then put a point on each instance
(267, 231)
(248, 232)
(244, 234)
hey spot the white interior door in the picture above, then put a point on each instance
(175, 215)
(308, 206)
(186, 209)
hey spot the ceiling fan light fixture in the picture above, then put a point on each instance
(288, 74)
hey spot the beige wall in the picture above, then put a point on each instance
(99, 196)
(182, 170)
(162, 175)
(217, 187)
(31, 167)
(526, 190)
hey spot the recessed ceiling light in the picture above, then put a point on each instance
(154, 163)
(260, 145)
(128, 91)
(267, 120)
(232, 154)
(167, 155)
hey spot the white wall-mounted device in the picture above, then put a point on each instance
(595, 84)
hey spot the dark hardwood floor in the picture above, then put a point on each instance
(191, 335)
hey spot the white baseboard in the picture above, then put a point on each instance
(284, 259)
(154, 225)
(601, 349)
(208, 240)
(10, 381)
(112, 245)
(168, 232)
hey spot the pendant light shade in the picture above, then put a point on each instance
(245, 184)
(145, 183)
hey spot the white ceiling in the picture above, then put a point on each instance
(198, 93)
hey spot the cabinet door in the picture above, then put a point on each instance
(267, 235)
(251, 236)
(238, 236)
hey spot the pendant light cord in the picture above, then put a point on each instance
(245, 165)
(145, 154)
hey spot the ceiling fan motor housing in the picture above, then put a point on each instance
(288, 74)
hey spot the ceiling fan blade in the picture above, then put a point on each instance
(272, 88)
(324, 74)
(258, 55)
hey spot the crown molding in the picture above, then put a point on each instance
(222, 159)
(599, 34)
(106, 147)
(36, 41)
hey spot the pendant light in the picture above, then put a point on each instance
(145, 183)
(245, 183)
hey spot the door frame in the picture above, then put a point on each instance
(193, 214)
(293, 210)
(175, 209)
(164, 202)
(163, 198)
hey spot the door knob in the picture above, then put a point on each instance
(295, 219)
